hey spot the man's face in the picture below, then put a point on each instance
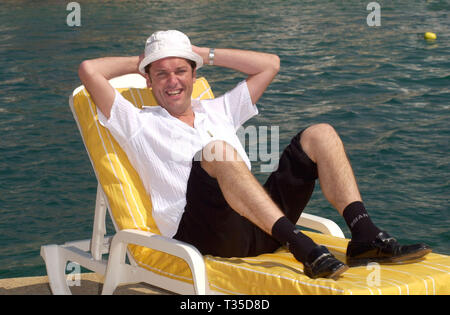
(172, 81)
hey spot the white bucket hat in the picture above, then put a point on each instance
(171, 43)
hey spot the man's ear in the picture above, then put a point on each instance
(148, 80)
(194, 74)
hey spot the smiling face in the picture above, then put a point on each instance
(172, 81)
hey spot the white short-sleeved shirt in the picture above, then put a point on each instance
(161, 147)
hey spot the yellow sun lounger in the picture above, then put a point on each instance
(179, 267)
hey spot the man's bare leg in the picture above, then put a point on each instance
(246, 196)
(240, 188)
(322, 144)
(324, 147)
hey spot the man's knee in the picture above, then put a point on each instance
(215, 152)
(220, 151)
(317, 136)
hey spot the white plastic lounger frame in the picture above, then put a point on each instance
(88, 253)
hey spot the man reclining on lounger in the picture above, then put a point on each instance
(198, 175)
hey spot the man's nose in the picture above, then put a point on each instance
(172, 79)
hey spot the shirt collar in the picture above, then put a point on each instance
(200, 113)
(197, 107)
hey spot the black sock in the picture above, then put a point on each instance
(300, 245)
(359, 222)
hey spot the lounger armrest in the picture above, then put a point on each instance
(160, 243)
(320, 224)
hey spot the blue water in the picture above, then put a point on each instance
(385, 89)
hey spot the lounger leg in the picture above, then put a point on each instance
(55, 263)
(99, 231)
(118, 272)
(116, 267)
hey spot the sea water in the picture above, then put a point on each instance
(384, 88)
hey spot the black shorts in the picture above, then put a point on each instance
(214, 228)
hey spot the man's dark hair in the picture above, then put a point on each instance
(191, 62)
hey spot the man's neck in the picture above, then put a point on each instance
(187, 117)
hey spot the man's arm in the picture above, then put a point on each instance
(260, 67)
(95, 73)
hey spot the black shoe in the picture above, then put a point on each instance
(384, 249)
(322, 264)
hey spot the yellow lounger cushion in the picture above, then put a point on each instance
(277, 273)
